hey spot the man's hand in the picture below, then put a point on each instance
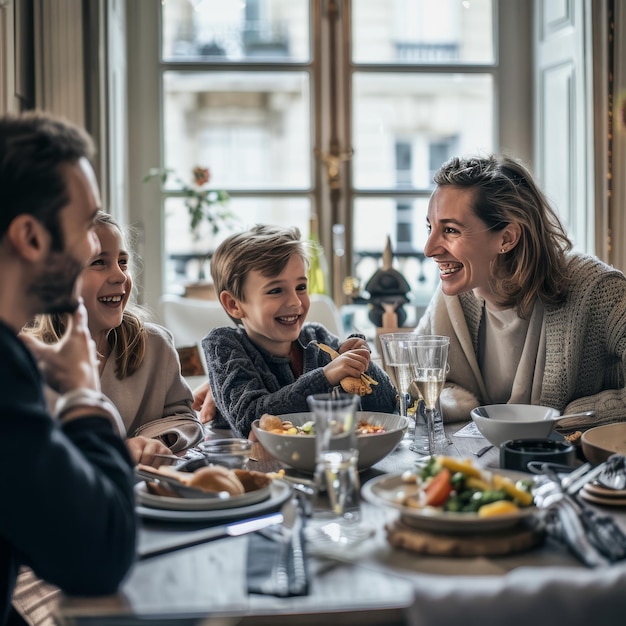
(72, 362)
(204, 403)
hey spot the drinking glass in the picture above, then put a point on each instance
(397, 360)
(429, 365)
(337, 457)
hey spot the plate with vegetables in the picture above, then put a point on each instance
(452, 495)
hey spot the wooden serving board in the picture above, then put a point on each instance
(506, 541)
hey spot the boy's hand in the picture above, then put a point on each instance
(204, 403)
(350, 363)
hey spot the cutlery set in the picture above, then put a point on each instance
(594, 538)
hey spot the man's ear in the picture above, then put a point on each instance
(29, 237)
(231, 305)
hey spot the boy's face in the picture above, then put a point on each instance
(275, 308)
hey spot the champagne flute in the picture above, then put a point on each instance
(429, 363)
(397, 361)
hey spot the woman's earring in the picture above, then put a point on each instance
(502, 250)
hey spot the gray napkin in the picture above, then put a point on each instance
(276, 560)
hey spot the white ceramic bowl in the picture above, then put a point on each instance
(500, 422)
(298, 451)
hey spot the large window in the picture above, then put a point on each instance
(271, 95)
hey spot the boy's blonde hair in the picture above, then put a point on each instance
(262, 248)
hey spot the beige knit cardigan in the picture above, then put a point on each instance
(585, 345)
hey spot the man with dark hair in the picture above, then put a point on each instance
(66, 479)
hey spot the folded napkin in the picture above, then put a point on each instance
(177, 432)
(276, 560)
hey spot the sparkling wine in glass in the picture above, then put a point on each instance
(397, 361)
(429, 363)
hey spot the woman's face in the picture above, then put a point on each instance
(461, 243)
(106, 282)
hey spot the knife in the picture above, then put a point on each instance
(197, 537)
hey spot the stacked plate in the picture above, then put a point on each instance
(598, 494)
(252, 503)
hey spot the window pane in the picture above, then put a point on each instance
(422, 31)
(251, 129)
(406, 125)
(218, 30)
(185, 255)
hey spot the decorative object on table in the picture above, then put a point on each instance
(298, 450)
(515, 454)
(387, 286)
(428, 357)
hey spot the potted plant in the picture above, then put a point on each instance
(204, 205)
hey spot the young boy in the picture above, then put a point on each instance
(271, 362)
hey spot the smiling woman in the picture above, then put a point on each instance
(529, 321)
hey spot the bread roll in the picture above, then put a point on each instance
(252, 480)
(216, 478)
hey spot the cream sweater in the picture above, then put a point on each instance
(585, 346)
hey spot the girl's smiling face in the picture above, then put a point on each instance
(274, 309)
(462, 245)
(106, 283)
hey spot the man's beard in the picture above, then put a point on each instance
(55, 287)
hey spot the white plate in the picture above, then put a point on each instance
(279, 492)
(390, 489)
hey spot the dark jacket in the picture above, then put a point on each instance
(67, 490)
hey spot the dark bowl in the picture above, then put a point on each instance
(515, 454)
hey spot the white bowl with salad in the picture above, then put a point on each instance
(294, 443)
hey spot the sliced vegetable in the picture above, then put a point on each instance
(439, 488)
(500, 507)
(502, 482)
(459, 465)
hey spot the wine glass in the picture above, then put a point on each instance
(397, 361)
(429, 365)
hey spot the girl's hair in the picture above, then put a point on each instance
(127, 342)
(505, 193)
(266, 249)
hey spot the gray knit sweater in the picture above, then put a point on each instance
(248, 381)
(585, 357)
